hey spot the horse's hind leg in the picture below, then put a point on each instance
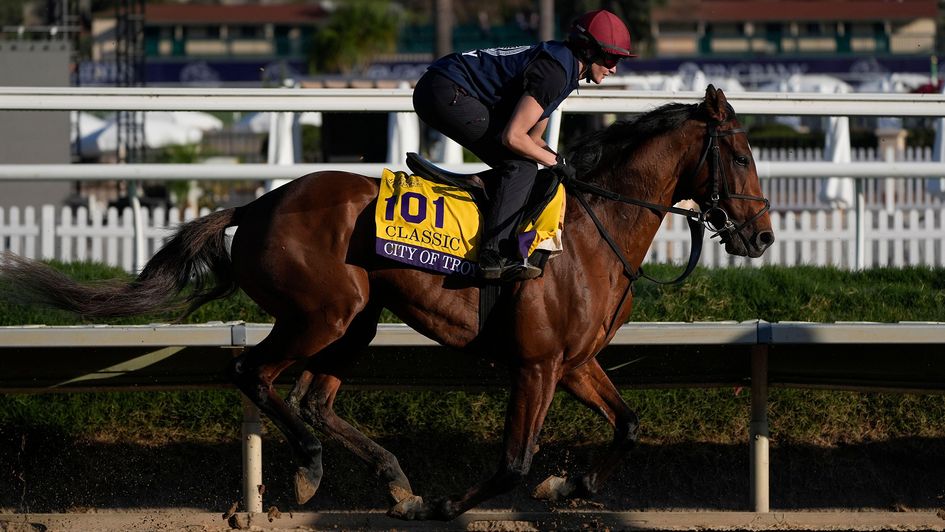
(318, 410)
(316, 391)
(590, 385)
(255, 372)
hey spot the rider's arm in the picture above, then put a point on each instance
(544, 79)
(538, 133)
(517, 135)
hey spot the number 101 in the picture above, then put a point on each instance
(413, 208)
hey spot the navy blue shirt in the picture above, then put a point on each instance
(548, 71)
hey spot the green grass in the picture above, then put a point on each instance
(803, 293)
(717, 415)
(668, 416)
(772, 293)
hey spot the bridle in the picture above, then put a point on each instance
(714, 218)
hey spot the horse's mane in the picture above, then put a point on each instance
(597, 155)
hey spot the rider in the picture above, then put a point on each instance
(496, 102)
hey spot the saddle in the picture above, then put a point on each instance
(546, 184)
(543, 193)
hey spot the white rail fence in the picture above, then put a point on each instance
(912, 234)
(907, 237)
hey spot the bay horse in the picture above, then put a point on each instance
(305, 253)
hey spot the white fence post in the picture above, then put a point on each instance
(252, 457)
(758, 431)
(47, 232)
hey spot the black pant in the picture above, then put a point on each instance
(449, 109)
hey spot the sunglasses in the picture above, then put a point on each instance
(608, 60)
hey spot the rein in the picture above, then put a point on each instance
(694, 218)
(715, 218)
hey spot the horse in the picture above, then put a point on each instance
(305, 253)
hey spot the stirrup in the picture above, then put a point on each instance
(522, 271)
(506, 270)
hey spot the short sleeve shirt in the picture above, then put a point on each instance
(544, 80)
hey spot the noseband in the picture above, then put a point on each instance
(715, 218)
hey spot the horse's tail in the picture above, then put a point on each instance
(195, 257)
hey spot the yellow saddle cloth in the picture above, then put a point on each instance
(437, 227)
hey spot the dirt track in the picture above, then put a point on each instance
(69, 485)
(476, 521)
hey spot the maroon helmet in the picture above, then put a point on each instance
(599, 32)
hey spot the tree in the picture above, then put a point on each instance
(356, 32)
(11, 12)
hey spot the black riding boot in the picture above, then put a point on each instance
(499, 256)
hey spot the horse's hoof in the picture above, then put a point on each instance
(306, 484)
(398, 493)
(553, 489)
(411, 507)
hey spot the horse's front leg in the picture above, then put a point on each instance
(590, 385)
(533, 387)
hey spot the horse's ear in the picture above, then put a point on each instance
(716, 105)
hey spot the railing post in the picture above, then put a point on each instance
(47, 232)
(758, 430)
(252, 457)
(860, 220)
(140, 258)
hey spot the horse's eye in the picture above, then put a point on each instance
(741, 160)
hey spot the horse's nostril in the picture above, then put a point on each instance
(764, 239)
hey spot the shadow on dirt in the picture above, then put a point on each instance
(45, 471)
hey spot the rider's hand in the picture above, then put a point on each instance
(563, 170)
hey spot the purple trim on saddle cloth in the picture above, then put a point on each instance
(525, 242)
(424, 259)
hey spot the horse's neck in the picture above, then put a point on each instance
(634, 227)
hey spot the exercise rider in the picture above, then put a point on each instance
(496, 103)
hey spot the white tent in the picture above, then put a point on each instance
(187, 119)
(261, 122)
(900, 82)
(807, 83)
(696, 80)
(157, 134)
(82, 124)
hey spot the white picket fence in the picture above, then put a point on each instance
(81, 235)
(800, 194)
(905, 237)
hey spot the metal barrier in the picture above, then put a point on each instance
(755, 354)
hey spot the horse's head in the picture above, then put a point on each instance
(725, 181)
